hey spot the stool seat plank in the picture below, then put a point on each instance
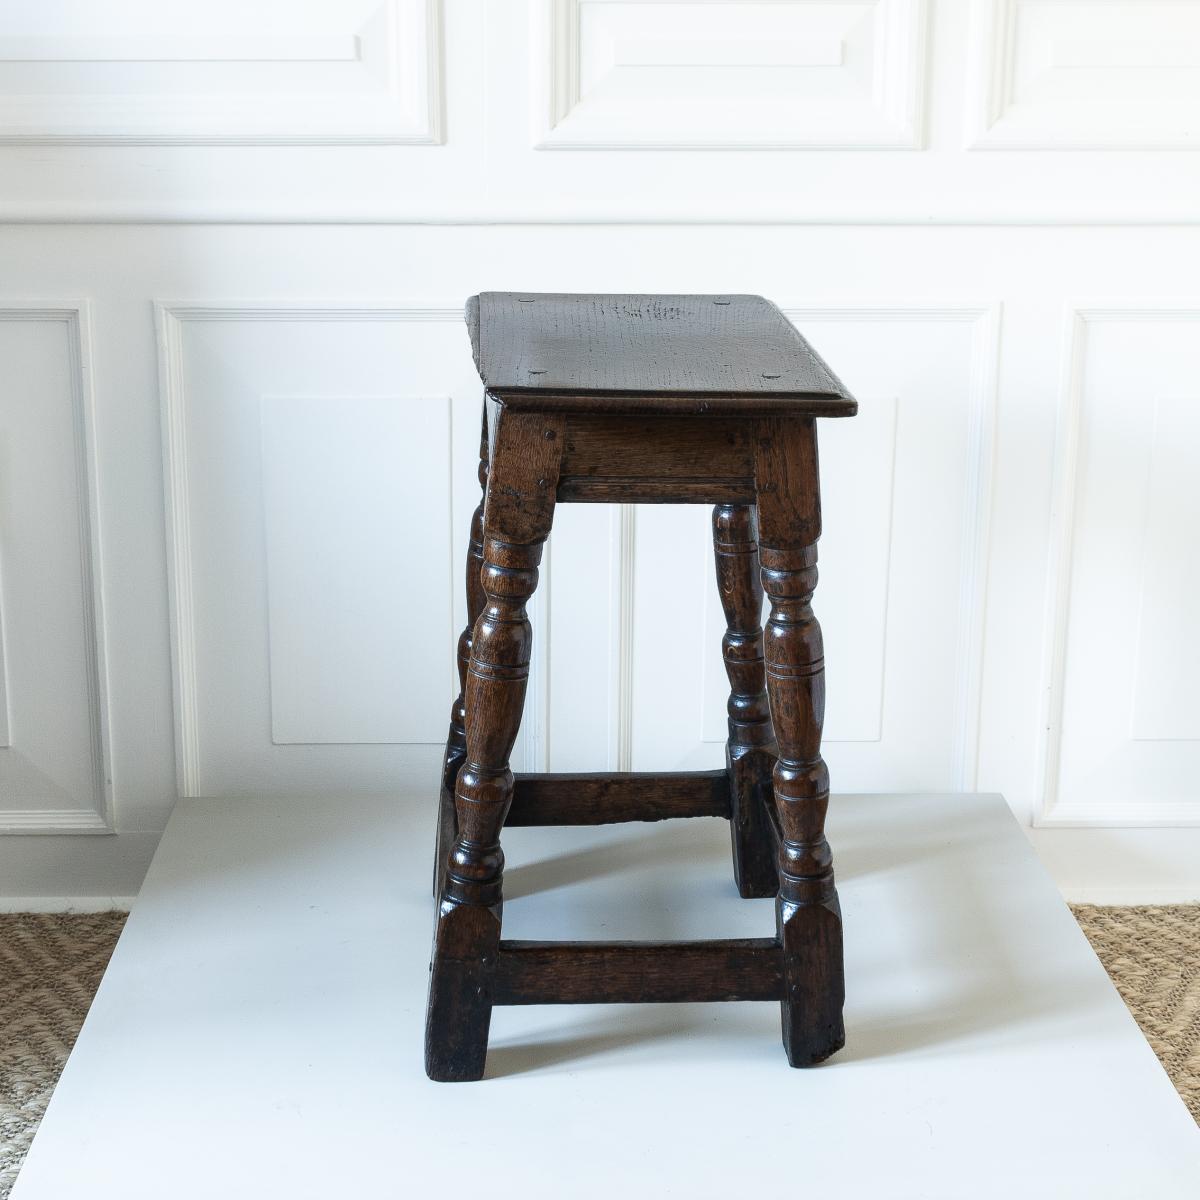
(634, 353)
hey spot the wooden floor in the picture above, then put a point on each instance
(259, 1029)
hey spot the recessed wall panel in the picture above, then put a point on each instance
(731, 75)
(349, 625)
(1086, 74)
(300, 71)
(1124, 727)
(53, 774)
(313, 516)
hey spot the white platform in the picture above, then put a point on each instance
(258, 1033)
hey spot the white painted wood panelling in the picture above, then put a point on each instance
(1123, 741)
(403, 110)
(1086, 74)
(679, 75)
(310, 529)
(285, 504)
(356, 499)
(585, 586)
(294, 72)
(53, 686)
(913, 570)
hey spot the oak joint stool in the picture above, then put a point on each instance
(645, 399)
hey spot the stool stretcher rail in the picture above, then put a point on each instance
(604, 799)
(638, 972)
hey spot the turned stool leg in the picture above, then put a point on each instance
(808, 915)
(456, 741)
(518, 512)
(750, 751)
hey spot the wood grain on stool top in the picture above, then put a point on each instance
(633, 353)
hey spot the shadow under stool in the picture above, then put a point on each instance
(659, 400)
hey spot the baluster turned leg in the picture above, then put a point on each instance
(518, 512)
(750, 751)
(456, 741)
(808, 914)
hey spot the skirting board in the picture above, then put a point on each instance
(50, 873)
(65, 904)
(1121, 866)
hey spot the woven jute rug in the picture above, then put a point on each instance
(50, 966)
(1152, 954)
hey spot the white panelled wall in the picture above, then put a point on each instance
(239, 419)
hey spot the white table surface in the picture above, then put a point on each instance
(259, 1031)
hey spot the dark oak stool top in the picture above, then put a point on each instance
(645, 399)
(625, 354)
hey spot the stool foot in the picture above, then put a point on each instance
(814, 982)
(461, 977)
(750, 791)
